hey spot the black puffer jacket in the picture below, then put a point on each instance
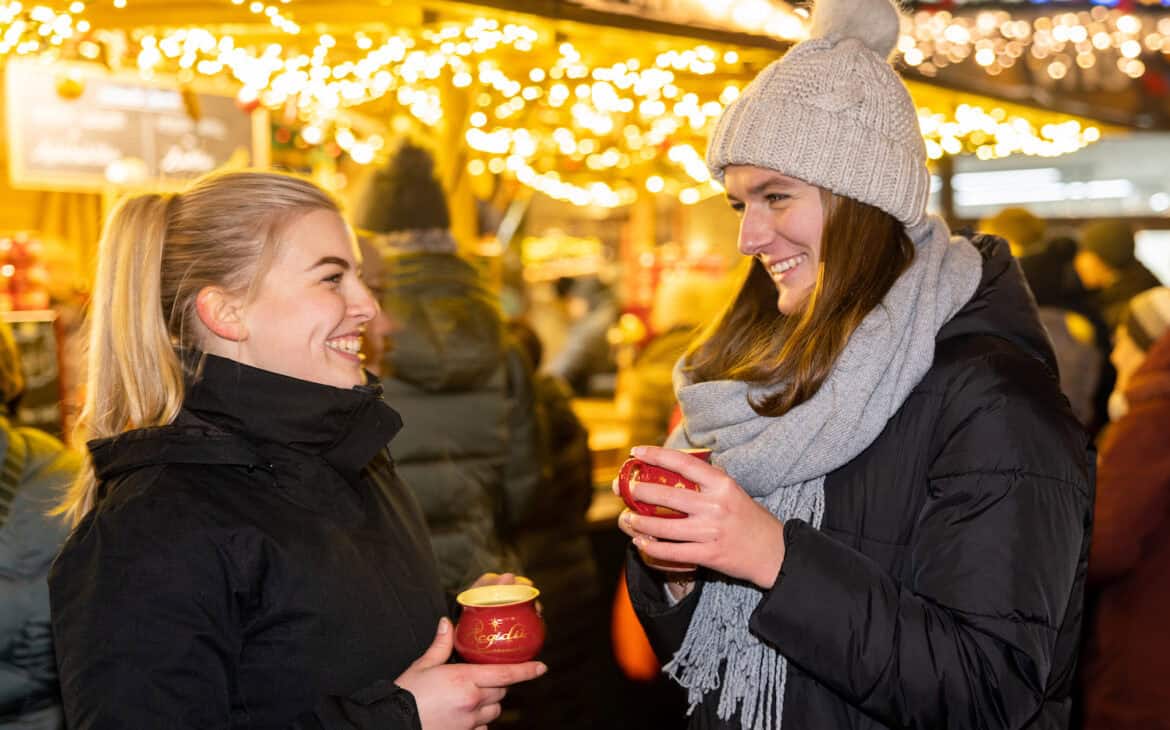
(256, 564)
(944, 587)
(468, 443)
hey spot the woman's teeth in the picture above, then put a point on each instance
(348, 345)
(789, 263)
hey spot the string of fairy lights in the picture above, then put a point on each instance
(592, 131)
(1104, 44)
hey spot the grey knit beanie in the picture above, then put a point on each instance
(1148, 317)
(833, 112)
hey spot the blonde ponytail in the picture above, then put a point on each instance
(157, 252)
(133, 378)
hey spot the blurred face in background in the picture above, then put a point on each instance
(781, 220)
(1093, 272)
(1127, 357)
(376, 343)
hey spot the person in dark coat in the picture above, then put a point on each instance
(244, 554)
(1108, 267)
(555, 549)
(894, 530)
(1079, 338)
(1127, 654)
(36, 469)
(464, 388)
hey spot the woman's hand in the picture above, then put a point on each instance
(500, 579)
(724, 530)
(460, 696)
(680, 577)
(506, 579)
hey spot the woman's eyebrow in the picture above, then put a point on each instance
(774, 182)
(328, 260)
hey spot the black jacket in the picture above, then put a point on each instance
(468, 446)
(944, 587)
(256, 564)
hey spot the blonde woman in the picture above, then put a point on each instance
(894, 529)
(244, 555)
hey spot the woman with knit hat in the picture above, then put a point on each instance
(1127, 654)
(894, 528)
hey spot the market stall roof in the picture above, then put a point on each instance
(586, 101)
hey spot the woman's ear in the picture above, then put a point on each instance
(221, 313)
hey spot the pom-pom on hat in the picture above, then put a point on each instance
(834, 113)
(404, 205)
(1148, 317)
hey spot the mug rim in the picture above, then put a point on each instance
(492, 596)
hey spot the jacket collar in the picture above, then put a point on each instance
(1002, 306)
(232, 410)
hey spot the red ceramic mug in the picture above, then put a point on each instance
(499, 624)
(636, 470)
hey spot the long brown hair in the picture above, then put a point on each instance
(863, 252)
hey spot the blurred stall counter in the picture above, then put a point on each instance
(609, 438)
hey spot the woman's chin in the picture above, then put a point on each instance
(790, 302)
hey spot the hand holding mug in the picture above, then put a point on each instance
(500, 624)
(724, 528)
(635, 471)
(452, 696)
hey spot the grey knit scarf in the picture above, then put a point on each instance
(782, 462)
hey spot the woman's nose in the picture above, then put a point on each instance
(753, 233)
(363, 305)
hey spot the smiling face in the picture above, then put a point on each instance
(307, 317)
(781, 220)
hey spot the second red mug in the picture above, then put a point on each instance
(636, 470)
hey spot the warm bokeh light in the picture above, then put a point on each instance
(580, 124)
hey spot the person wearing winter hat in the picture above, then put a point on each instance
(893, 530)
(452, 371)
(1021, 228)
(1108, 267)
(1127, 652)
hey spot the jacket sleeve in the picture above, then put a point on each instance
(665, 623)
(1133, 490)
(966, 638)
(147, 630)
